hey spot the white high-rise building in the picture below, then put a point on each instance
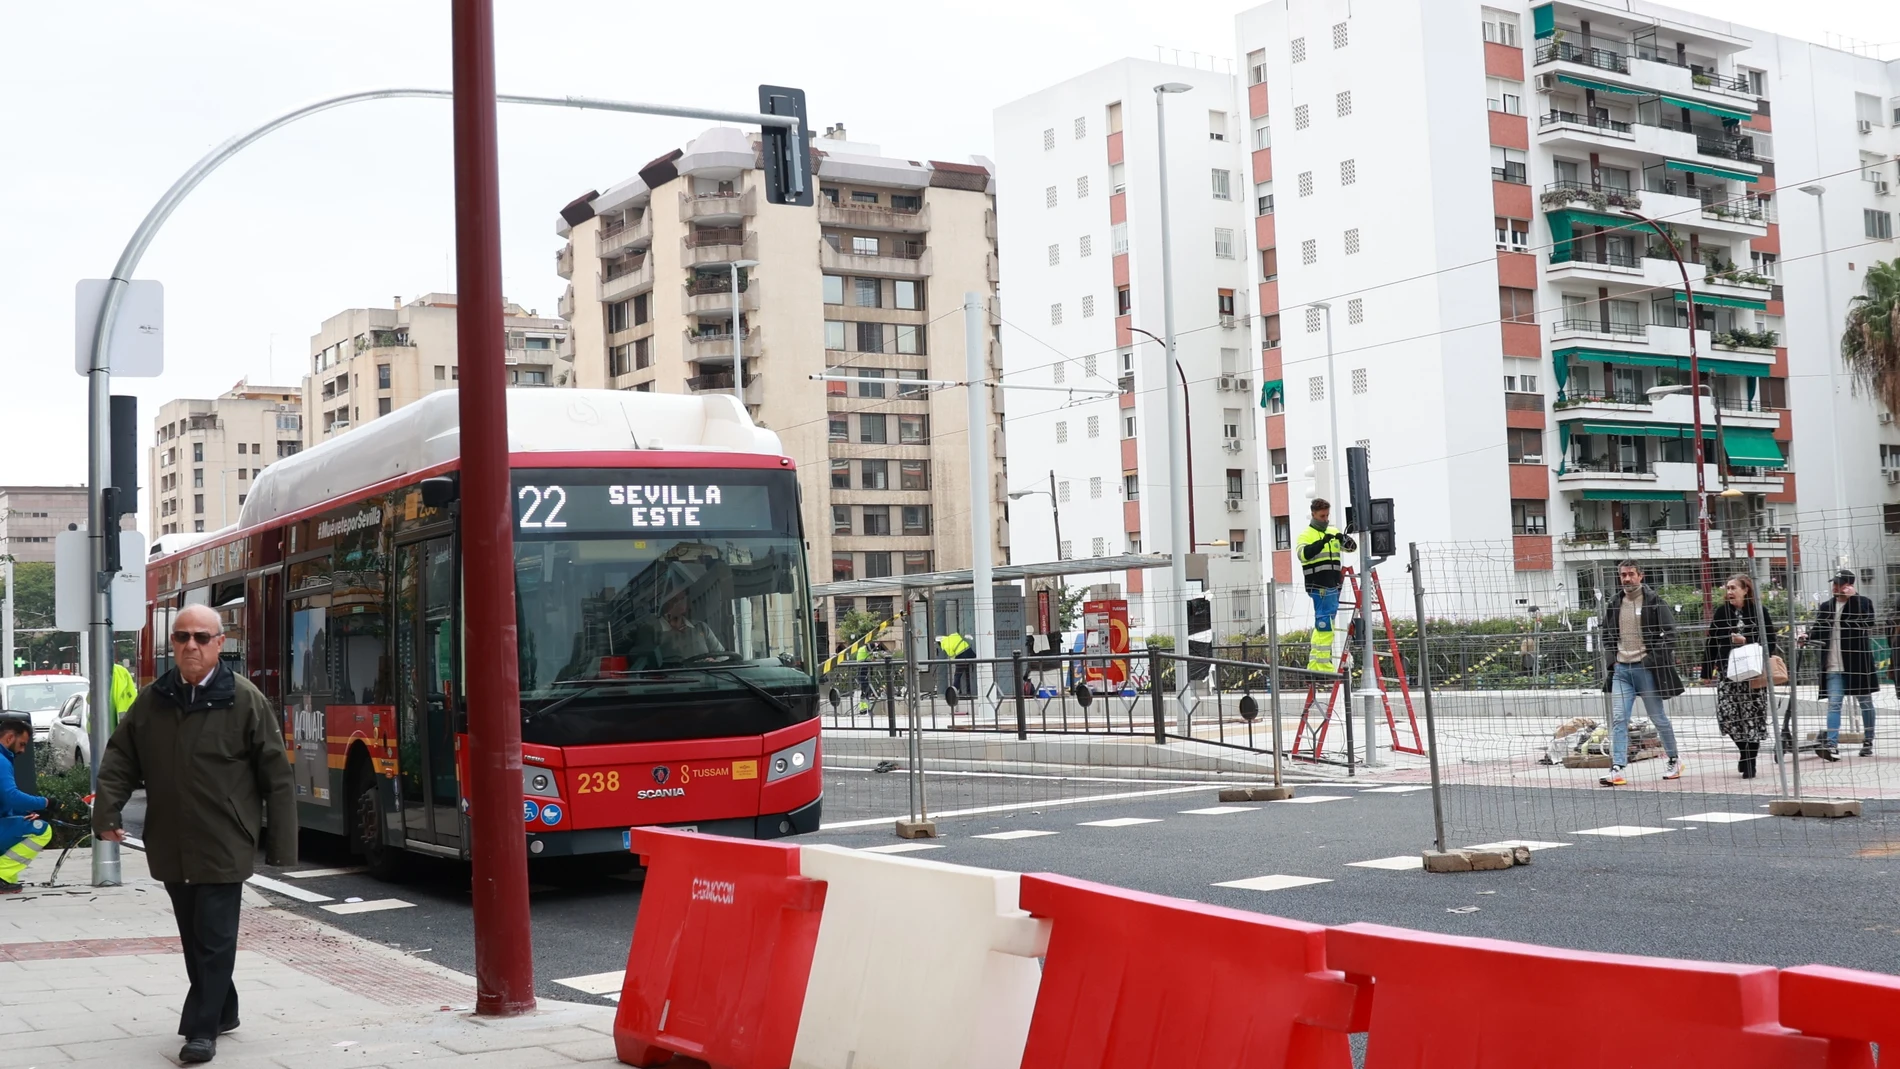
(1446, 193)
(1079, 212)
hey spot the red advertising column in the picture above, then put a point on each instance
(504, 950)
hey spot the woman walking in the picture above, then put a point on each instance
(1741, 706)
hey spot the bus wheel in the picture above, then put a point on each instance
(367, 823)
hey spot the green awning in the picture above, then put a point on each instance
(1631, 495)
(1752, 447)
(1561, 356)
(1713, 172)
(1544, 20)
(1270, 389)
(1601, 87)
(1729, 114)
(1570, 217)
(1730, 367)
(1646, 430)
(1713, 300)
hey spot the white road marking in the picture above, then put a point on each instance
(605, 984)
(1019, 833)
(1401, 789)
(1309, 799)
(1217, 810)
(900, 848)
(1722, 818)
(1046, 804)
(1401, 863)
(372, 906)
(1622, 831)
(287, 890)
(1273, 883)
(311, 874)
(1531, 843)
(1118, 822)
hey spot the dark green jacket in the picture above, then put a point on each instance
(210, 759)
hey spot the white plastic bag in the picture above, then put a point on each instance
(1745, 662)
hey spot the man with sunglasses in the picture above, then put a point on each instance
(204, 745)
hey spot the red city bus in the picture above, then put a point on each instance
(662, 611)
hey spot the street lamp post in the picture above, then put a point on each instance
(1055, 513)
(738, 335)
(1180, 500)
(1819, 193)
(1187, 424)
(1695, 404)
(1334, 460)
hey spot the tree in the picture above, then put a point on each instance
(855, 625)
(1069, 607)
(1870, 345)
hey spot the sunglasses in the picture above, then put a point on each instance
(202, 638)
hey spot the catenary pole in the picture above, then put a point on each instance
(504, 950)
(982, 565)
(1180, 493)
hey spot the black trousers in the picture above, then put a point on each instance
(208, 928)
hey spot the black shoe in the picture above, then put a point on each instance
(9, 888)
(1748, 769)
(1867, 748)
(1826, 754)
(198, 1050)
(232, 1027)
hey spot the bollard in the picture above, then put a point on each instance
(1022, 713)
(890, 696)
(1158, 695)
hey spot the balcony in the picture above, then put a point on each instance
(893, 260)
(1597, 126)
(625, 279)
(715, 298)
(564, 307)
(1563, 194)
(714, 247)
(564, 261)
(616, 239)
(718, 382)
(1742, 215)
(1593, 329)
(1760, 343)
(875, 217)
(719, 346)
(731, 207)
(1601, 59)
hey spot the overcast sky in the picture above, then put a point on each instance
(103, 104)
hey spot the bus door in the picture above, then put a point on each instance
(264, 631)
(306, 691)
(426, 690)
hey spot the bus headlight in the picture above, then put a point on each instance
(792, 760)
(539, 781)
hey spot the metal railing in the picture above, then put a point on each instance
(1572, 398)
(1553, 118)
(1514, 173)
(1595, 326)
(1600, 58)
(705, 236)
(1724, 148)
(1605, 466)
(1586, 255)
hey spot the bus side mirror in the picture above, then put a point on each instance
(440, 491)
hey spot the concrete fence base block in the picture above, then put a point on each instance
(1490, 859)
(1814, 807)
(1520, 855)
(1236, 794)
(1269, 794)
(916, 829)
(1447, 861)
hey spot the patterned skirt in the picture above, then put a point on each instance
(1741, 711)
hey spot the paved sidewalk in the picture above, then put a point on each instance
(93, 977)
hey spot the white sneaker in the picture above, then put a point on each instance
(1675, 769)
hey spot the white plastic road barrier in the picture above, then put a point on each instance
(919, 965)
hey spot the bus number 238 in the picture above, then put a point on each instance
(597, 783)
(554, 497)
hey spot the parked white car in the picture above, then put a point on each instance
(40, 696)
(70, 738)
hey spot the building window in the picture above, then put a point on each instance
(1504, 95)
(1342, 103)
(1525, 445)
(1527, 517)
(913, 430)
(874, 475)
(1263, 198)
(1118, 239)
(1217, 126)
(1131, 487)
(841, 570)
(1309, 251)
(871, 428)
(1513, 235)
(1256, 66)
(1081, 127)
(1352, 241)
(642, 353)
(198, 503)
(1348, 172)
(866, 293)
(1302, 116)
(382, 379)
(907, 294)
(441, 373)
(1517, 306)
(1500, 27)
(1339, 35)
(1049, 139)
(1299, 50)
(840, 430)
(910, 340)
(841, 519)
(1117, 178)
(1319, 454)
(877, 566)
(861, 246)
(1062, 492)
(1059, 371)
(1306, 183)
(1270, 327)
(1055, 255)
(913, 475)
(1055, 314)
(1223, 243)
(1062, 431)
(1316, 389)
(383, 406)
(1276, 459)
(1124, 301)
(1312, 320)
(834, 289)
(1282, 532)
(1088, 305)
(916, 519)
(1128, 426)
(1879, 224)
(198, 476)
(870, 337)
(1230, 423)
(1356, 310)
(1098, 546)
(877, 519)
(1085, 245)
(870, 381)
(1049, 197)
(1269, 264)
(1081, 187)
(1359, 383)
(916, 562)
(863, 196)
(1095, 426)
(1224, 301)
(1223, 184)
(841, 475)
(242, 446)
(619, 317)
(834, 333)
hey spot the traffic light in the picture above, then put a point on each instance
(788, 178)
(1358, 488)
(1382, 530)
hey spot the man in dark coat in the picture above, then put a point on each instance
(1842, 631)
(1639, 637)
(209, 753)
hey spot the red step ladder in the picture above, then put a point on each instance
(1311, 734)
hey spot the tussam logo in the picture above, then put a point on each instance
(720, 891)
(349, 524)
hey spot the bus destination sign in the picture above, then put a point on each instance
(589, 508)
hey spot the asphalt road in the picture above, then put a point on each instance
(1700, 890)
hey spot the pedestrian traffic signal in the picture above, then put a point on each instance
(1382, 531)
(787, 155)
(1358, 487)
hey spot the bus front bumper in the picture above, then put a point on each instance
(615, 840)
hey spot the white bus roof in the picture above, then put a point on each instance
(551, 420)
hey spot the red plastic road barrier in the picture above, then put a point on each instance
(1135, 980)
(721, 952)
(1488, 1004)
(1850, 1007)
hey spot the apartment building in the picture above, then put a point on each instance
(1082, 263)
(1407, 166)
(206, 451)
(869, 284)
(31, 517)
(368, 362)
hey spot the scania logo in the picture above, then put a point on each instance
(659, 773)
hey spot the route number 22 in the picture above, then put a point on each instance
(554, 497)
